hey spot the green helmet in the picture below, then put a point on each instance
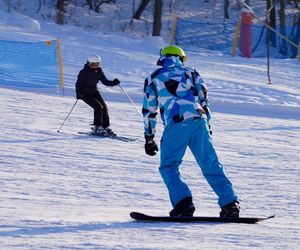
(174, 51)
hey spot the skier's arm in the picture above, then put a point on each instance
(202, 92)
(80, 84)
(105, 81)
(150, 108)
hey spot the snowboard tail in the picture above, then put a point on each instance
(198, 219)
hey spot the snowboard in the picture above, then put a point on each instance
(196, 219)
(117, 137)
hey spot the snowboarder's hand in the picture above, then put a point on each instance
(150, 145)
(116, 81)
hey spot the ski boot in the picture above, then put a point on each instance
(110, 132)
(230, 210)
(99, 130)
(185, 207)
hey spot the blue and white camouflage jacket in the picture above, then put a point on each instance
(177, 91)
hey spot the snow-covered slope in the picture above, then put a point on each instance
(70, 191)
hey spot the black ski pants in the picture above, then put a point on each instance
(96, 101)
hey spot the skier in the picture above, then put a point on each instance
(181, 97)
(86, 89)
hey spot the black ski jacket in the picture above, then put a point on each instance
(87, 80)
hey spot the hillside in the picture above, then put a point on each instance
(71, 191)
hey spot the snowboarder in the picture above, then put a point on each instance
(181, 97)
(86, 89)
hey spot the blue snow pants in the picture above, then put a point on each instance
(192, 133)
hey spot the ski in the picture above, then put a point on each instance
(117, 137)
(196, 219)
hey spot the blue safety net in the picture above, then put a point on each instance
(219, 37)
(277, 46)
(29, 64)
(204, 36)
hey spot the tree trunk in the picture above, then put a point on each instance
(296, 36)
(90, 4)
(272, 21)
(283, 45)
(141, 8)
(226, 6)
(60, 11)
(40, 6)
(157, 17)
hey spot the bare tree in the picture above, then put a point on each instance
(141, 8)
(226, 6)
(157, 17)
(60, 11)
(272, 20)
(40, 5)
(90, 4)
(283, 44)
(295, 36)
(96, 4)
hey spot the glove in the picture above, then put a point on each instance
(150, 145)
(116, 81)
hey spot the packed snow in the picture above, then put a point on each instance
(72, 191)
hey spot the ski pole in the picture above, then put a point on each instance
(131, 102)
(67, 116)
